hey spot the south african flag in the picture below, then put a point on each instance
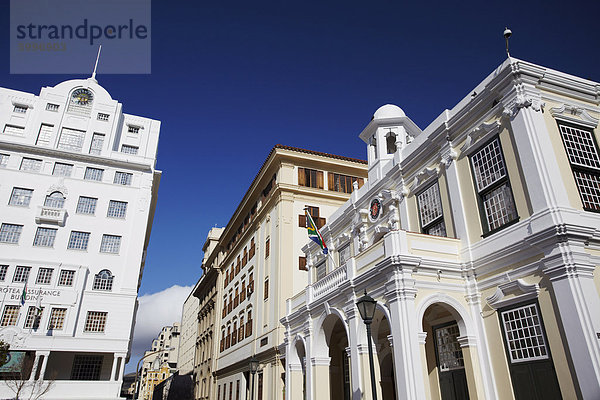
(314, 234)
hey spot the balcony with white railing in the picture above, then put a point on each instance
(51, 215)
(330, 281)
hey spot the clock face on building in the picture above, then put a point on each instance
(375, 209)
(82, 97)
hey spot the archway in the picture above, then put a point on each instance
(331, 361)
(381, 337)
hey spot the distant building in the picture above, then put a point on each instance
(163, 363)
(189, 334)
(78, 190)
(128, 385)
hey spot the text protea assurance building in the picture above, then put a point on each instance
(78, 190)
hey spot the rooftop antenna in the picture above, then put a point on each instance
(507, 34)
(96, 65)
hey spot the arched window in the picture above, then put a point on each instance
(103, 280)
(391, 143)
(55, 199)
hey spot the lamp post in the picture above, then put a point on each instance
(253, 369)
(366, 308)
(137, 369)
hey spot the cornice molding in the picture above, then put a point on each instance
(574, 114)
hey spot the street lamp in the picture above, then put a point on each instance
(253, 369)
(137, 369)
(366, 308)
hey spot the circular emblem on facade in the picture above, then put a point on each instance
(375, 209)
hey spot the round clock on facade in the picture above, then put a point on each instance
(375, 208)
(82, 97)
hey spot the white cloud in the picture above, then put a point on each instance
(155, 311)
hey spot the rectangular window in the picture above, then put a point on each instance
(493, 187)
(3, 270)
(44, 237)
(302, 263)
(52, 107)
(45, 135)
(344, 253)
(321, 270)
(103, 117)
(523, 334)
(44, 276)
(117, 209)
(61, 169)
(266, 293)
(31, 164)
(95, 321)
(78, 240)
(110, 244)
(93, 174)
(342, 183)
(66, 277)
(133, 129)
(127, 149)
(123, 178)
(314, 213)
(14, 130)
(448, 348)
(33, 317)
(260, 387)
(10, 233)
(57, 319)
(430, 211)
(4, 160)
(584, 158)
(10, 315)
(97, 144)
(71, 139)
(237, 390)
(86, 368)
(21, 274)
(310, 178)
(19, 109)
(86, 205)
(267, 247)
(20, 197)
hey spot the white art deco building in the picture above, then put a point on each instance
(479, 237)
(78, 189)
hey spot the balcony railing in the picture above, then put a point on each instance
(51, 215)
(330, 281)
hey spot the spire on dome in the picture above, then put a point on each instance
(96, 65)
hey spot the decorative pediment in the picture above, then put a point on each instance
(572, 113)
(424, 175)
(59, 187)
(513, 292)
(486, 128)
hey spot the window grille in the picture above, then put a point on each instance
(448, 348)
(310, 178)
(123, 178)
(55, 200)
(3, 270)
(430, 211)
(4, 160)
(103, 281)
(78, 240)
(10, 315)
(95, 321)
(20, 109)
(44, 237)
(86, 368)
(61, 169)
(52, 107)
(93, 174)
(129, 149)
(86, 205)
(14, 130)
(97, 143)
(321, 270)
(44, 135)
(10, 233)
(20, 197)
(57, 319)
(110, 244)
(33, 317)
(31, 164)
(342, 183)
(523, 333)
(133, 129)
(66, 277)
(71, 139)
(344, 254)
(117, 209)
(103, 117)
(21, 274)
(44, 276)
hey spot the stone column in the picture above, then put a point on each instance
(308, 352)
(422, 340)
(46, 354)
(35, 366)
(320, 367)
(114, 367)
(356, 337)
(471, 361)
(455, 193)
(294, 387)
(121, 368)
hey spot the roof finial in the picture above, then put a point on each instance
(96, 65)
(507, 33)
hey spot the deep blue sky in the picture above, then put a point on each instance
(230, 80)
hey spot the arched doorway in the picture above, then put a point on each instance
(333, 345)
(381, 336)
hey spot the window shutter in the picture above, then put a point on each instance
(301, 177)
(361, 181)
(302, 263)
(302, 221)
(321, 222)
(320, 179)
(330, 178)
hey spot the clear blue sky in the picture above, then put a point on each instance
(230, 80)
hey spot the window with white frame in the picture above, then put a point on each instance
(95, 321)
(103, 117)
(3, 270)
(45, 135)
(31, 164)
(10, 315)
(93, 174)
(62, 169)
(4, 160)
(430, 211)
(449, 351)
(19, 109)
(66, 277)
(14, 130)
(97, 144)
(21, 274)
(344, 254)
(33, 317)
(71, 139)
(123, 178)
(20, 197)
(103, 280)
(524, 334)
(44, 237)
(493, 187)
(133, 129)
(44, 276)
(320, 270)
(55, 200)
(57, 319)
(10, 233)
(86, 368)
(78, 240)
(117, 209)
(127, 149)
(110, 244)
(584, 157)
(86, 205)
(52, 107)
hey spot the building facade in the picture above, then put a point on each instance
(261, 264)
(78, 190)
(161, 361)
(189, 335)
(479, 239)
